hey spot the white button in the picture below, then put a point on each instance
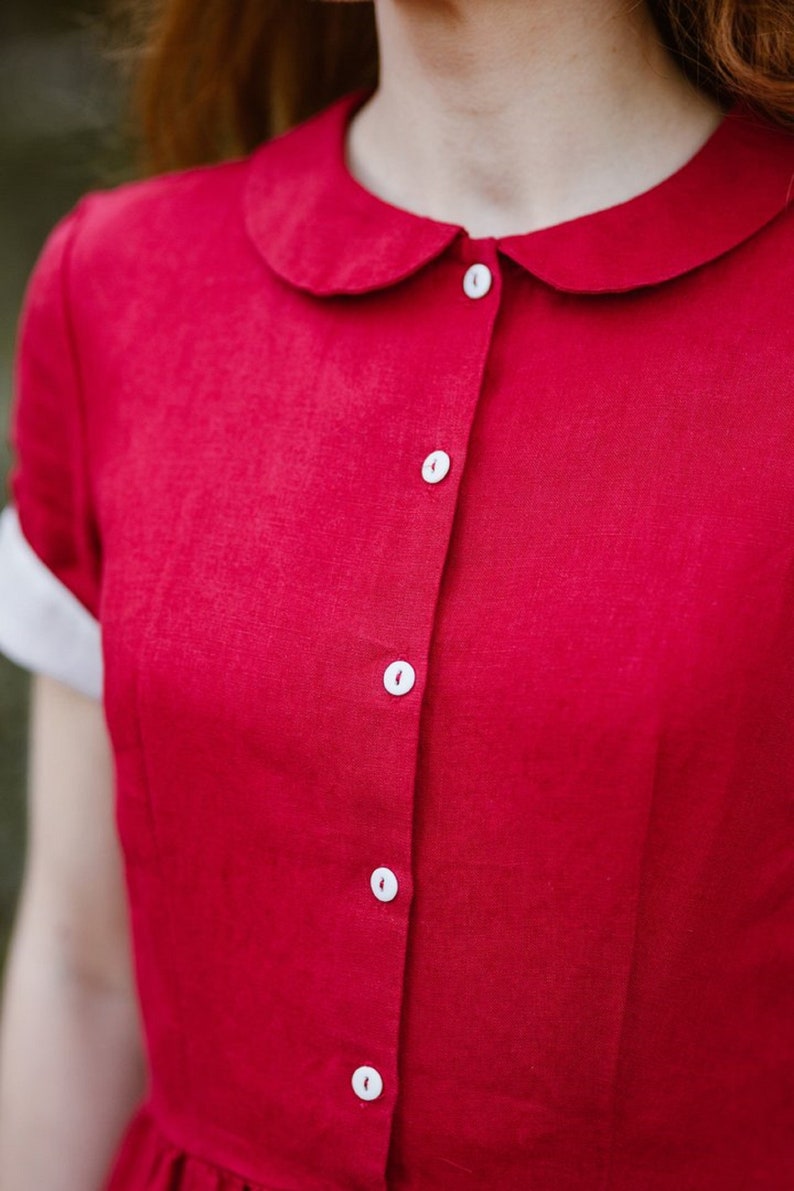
(367, 1083)
(477, 281)
(384, 884)
(435, 467)
(399, 677)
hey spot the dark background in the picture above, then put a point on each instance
(61, 94)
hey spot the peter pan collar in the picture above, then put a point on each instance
(319, 229)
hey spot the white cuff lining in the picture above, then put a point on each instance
(43, 626)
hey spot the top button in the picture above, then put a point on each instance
(477, 280)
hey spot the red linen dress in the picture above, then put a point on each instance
(440, 593)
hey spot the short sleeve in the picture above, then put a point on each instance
(50, 559)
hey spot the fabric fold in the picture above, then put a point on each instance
(149, 1161)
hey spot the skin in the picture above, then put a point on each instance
(504, 116)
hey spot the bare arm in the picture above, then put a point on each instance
(71, 1056)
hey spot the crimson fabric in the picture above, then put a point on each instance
(230, 377)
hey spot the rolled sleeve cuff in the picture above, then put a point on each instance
(43, 626)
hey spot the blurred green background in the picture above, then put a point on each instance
(60, 102)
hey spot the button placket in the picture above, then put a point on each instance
(399, 676)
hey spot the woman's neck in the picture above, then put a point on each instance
(505, 116)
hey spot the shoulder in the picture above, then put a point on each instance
(131, 266)
(145, 222)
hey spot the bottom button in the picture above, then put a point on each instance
(367, 1083)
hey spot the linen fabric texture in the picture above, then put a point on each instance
(228, 380)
